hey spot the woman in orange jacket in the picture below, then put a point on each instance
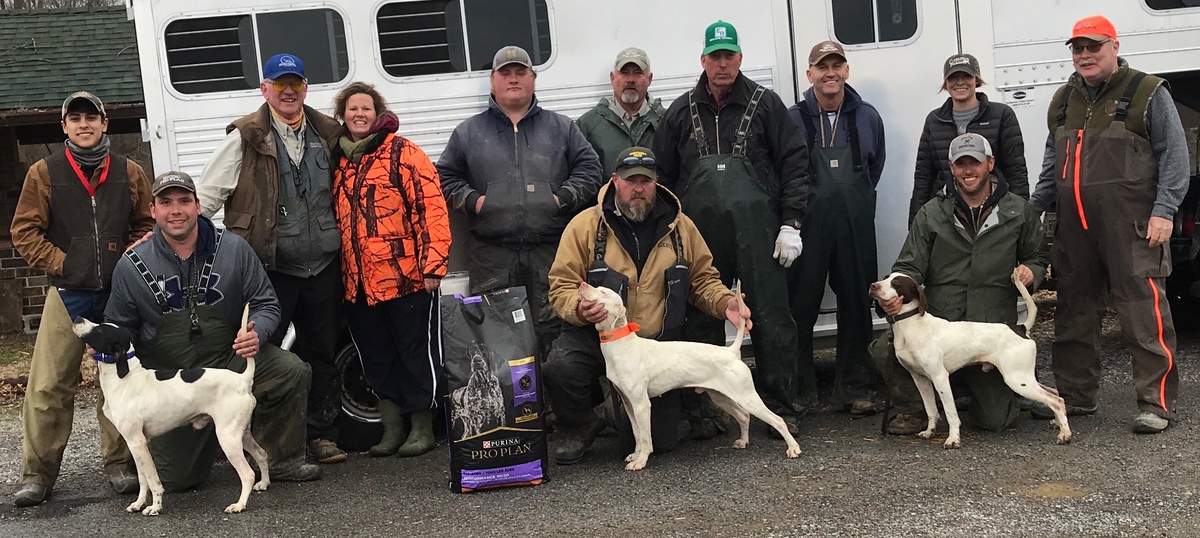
(395, 243)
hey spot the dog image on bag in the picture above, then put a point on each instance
(931, 348)
(143, 404)
(641, 368)
(479, 405)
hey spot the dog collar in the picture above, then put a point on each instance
(906, 315)
(109, 358)
(619, 333)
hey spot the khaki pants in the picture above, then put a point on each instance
(50, 400)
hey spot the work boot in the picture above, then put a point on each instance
(863, 407)
(395, 428)
(31, 495)
(572, 445)
(326, 451)
(1041, 411)
(905, 424)
(122, 479)
(1147, 422)
(420, 436)
(297, 471)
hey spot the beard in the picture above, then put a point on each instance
(636, 210)
(630, 96)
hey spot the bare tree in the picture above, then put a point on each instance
(6, 5)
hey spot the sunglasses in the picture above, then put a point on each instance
(1092, 47)
(296, 85)
(637, 161)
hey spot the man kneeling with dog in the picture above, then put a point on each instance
(637, 242)
(963, 246)
(181, 294)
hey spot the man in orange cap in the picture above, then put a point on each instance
(1116, 167)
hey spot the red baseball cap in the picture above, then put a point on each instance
(1096, 28)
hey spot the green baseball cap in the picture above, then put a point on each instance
(720, 35)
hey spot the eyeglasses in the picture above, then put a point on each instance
(637, 161)
(1092, 47)
(296, 85)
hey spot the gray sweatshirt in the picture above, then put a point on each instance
(1167, 140)
(237, 278)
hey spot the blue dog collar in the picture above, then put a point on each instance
(109, 358)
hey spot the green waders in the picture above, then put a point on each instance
(739, 219)
(839, 244)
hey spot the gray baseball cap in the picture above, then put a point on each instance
(970, 144)
(511, 54)
(72, 104)
(632, 55)
(169, 180)
(961, 63)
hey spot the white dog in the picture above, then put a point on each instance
(641, 368)
(143, 404)
(930, 348)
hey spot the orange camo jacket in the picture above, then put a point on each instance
(392, 219)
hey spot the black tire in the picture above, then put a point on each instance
(358, 421)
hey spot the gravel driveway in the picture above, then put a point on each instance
(849, 481)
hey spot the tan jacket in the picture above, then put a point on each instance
(646, 303)
(32, 222)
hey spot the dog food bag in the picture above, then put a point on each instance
(494, 400)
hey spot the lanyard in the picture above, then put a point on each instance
(82, 178)
(832, 129)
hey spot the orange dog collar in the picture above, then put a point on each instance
(619, 333)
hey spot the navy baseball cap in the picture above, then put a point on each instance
(283, 64)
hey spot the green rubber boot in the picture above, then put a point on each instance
(394, 429)
(420, 437)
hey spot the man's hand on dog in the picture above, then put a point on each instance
(246, 343)
(891, 306)
(736, 315)
(590, 311)
(1024, 275)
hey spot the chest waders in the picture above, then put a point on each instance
(1107, 185)
(739, 220)
(839, 245)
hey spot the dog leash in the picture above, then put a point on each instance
(619, 333)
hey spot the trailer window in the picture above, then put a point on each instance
(218, 54)
(857, 22)
(1163, 5)
(450, 36)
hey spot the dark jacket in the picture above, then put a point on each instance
(521, 169)
(996, 122)
(60, 229)
(871, 143)
(775, 146)
(250, 211)
(609, 136)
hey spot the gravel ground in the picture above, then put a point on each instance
(849, 481)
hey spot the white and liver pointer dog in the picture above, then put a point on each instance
(930, 348)
(641, 368)
(143, 404)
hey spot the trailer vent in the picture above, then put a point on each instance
(860, 22)
(206, 55)
(453, 36)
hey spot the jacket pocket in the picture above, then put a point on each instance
(1146, 261)
(238, 221)
(79, 265)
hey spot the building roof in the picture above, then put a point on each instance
(46, 54)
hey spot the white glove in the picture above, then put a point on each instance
(787, 245)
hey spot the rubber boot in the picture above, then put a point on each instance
(420, 437)
(394, 426)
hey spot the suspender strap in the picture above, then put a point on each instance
(743, 130)
(675, 242)
(601, 239)
(159, 296)
(855, 149)
(809, 129)
(206, 271)
(1125, 100)
(697, 129)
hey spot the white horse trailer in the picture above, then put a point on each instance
(201, 61)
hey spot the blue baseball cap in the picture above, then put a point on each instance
(283, 64)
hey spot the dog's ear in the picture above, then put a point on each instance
(910, 291)
(921, 302)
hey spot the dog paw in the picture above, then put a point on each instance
(793, 453)
(262, 485)
(636, 465)
(631, 457)
(951, 442)
(134, 508)
(738, 443)
(925, 434)
(235, 508)
(1064, 438)
(151, 510)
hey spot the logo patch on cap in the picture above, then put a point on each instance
(828, 47)
(287, 61)
(960, 61)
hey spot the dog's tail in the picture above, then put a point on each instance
(249, 373)
(736, 346)
(1030, 305)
